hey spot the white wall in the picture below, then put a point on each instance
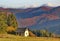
(26, 33)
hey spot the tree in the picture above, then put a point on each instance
(44, 33)
(36, 32)
(3, 22)
(12, 22)
(7, 23)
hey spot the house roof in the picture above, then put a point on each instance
(21, 29)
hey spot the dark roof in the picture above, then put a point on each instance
(21, 30)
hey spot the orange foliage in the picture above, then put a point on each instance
(31, 34)
(10, 28)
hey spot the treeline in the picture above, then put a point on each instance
(8, 22)
(43, 33)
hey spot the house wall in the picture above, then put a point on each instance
(26, 33)
(20, 33)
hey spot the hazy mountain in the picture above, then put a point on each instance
(43, 17)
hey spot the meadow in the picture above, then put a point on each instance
(20, 38)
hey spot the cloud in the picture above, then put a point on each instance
(27, 3)
(50, 4)
(53, 4)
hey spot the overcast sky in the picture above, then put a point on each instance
(27, 3)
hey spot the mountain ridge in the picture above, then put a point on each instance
(38, 18)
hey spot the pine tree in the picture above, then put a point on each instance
(3, 22)
(12, 22)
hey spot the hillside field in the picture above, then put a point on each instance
(20, 38)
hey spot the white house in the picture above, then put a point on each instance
(22, 32)
(26, 33)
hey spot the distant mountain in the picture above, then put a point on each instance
(43, 17)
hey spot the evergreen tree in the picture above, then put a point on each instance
(12, 22)
(3, 22)
(7, 23)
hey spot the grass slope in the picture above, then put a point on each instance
(19, 38)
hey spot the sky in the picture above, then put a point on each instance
(27, 3)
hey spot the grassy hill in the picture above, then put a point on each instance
(9, 37)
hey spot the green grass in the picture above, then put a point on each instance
(19, 38)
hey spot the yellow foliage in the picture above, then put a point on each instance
(10, 28)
